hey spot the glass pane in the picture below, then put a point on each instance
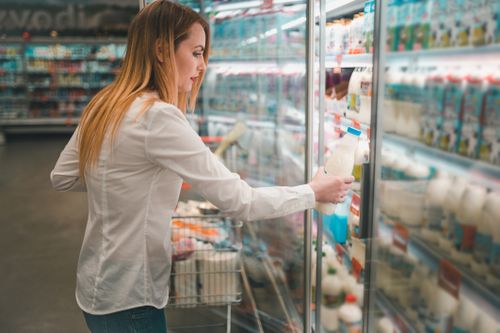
(255, 92)
(439, 174)
(346, 95)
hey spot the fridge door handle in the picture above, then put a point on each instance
(364, 218)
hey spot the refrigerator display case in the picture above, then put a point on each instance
(422, 257)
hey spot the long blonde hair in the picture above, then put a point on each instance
(162, 24)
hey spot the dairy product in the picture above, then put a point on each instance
(392, 25)
(491, 216)
(485, 324)
(452, 115)
(341, 162)
(365, 97)
(362, 156)
(441, 307)
(489, 144)
(472, 107)
(436, 195)
(468, 213)
(405, 27)
(354, 92)
(385, 325)
(451, 203)
(432, 112)
(350, 316)
(333, 296)
(483, 239)
(464, 317)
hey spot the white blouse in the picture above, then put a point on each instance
(132, 192)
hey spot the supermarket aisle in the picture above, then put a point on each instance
(40, 237)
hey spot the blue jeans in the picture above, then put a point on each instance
(144, 319)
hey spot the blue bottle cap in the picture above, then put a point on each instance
(353, 131)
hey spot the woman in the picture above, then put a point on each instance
(131, 152)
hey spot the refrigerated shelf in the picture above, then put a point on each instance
(349, 60)
(39, 121)
(448, 56)
(430, 255)
(482, 173)
(339, 8)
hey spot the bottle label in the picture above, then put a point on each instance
(435, 217)
(473, 104)
(489, 145)
(482, 247)
(464, 237)
(352, 327)
(452, 118)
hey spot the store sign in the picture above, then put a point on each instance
(66, 19)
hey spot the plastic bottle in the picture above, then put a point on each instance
(405, 25)
(365, 97)
(354, 92)
(451, 204)
(464, 317)
(485, 324)
(392, 25)
(333, 296)
(432, 113)
(385, 325)
(436, 195)
(441, 307)
(472, 107)
(339, 224)
(483, 239)
(491, 215)
(489, 144)
(468, 213)
(362, 156)
(452, 115)
(421, 24)
(350, 316)
(341, 162)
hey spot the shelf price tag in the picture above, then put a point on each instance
(449, 278)
(400, 237)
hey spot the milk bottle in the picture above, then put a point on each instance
(354, 92)
(365, 97)
(491, 216)
(391, 110)
(483, 239)
(452, 114)
(432, 113)
(350, 316)
(362, 156)
(485, 324)
(333, 296)
(417, 83)
(421, 24)
(441, 307)
(468, 213)
(385, 325)
(489, 145)
(451, 204)
(436, 195)
(464, 317)
(392, 25)
(472, 107)
(341, 162)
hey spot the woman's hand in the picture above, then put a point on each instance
(329, 188)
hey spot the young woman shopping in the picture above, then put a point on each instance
(131, 152)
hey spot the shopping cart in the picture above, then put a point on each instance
(206, 269)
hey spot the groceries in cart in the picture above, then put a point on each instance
(205, 255)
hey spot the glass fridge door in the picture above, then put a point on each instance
(437, 187)
(343, 115)
(255, 88)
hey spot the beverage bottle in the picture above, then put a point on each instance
(362, 156)
(365, 98)
(385, 325)
(421, 24)
(451, 204)
(491, 215)
(464, 316)
(416, 98)
(339, 221)
(468, 213)
(489, 142)
(368, 26)
(341, 162)
(333, 296)
(392, 25)
(431, 120)
(350, 316)
(472, 107)
(354, 92)
(485, 324)
(483, 239)
(405, 18)
(436, 195)
(453, 112)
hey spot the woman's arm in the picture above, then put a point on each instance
(174, 145)
(66, 176)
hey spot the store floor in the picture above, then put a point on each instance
(40, 236)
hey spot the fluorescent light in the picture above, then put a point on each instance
(239, 5)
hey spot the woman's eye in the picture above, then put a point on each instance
(197, 54)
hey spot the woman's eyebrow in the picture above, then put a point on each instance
(200, 46)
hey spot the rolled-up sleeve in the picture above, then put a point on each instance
(174, 145)
(65, 176)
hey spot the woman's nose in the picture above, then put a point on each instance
(201, 65)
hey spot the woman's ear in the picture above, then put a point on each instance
(159, 51)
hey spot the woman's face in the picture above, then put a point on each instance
(189, 57)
